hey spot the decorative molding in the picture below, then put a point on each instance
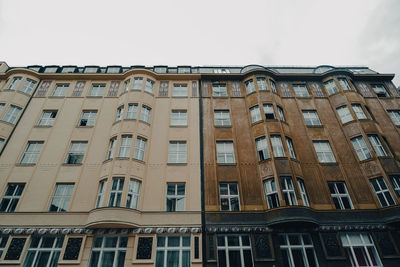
(238, 229)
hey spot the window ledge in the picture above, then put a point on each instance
(84, 126)
(177, 164)
(23, 93)
(145, 122)
(223, 126)
(178, 126)
(129, 119)
(264, 160)
(179, 96)
(42, 126)
(272, 120)
(72, 164)
(304, 97)
(139, 161)
(367, 160)
(295, 160)
(257, 122)
(6, 122)
(226, 164)
(136, 90)
(56, 96)
(315, 126)
(223, 97)
(247, 94)
(349, 122)
(107, 160)
(122, 158)
(115, 122)
(94, 96)
(280, 157)
(25, 164)
(329, 164)
(152, 94)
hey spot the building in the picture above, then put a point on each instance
(199, 166)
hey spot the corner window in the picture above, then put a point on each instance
(277, 146)
(255, 114)
(250, 87)
(324, 152)
(61, 198)
(288, 190)
(262, 148)
(11, 197)
(180, 90)
(149, 88)
(344, 84)
(271, 193)
(229, 197)
(132, 199)
(179, 118)
(380, 90)
(340, 195)
(358, 111)
(14, 83)
(344, 114)
(222, 118)
(262, 84)
(76, 153)
(269, 111)
(301, 90)
(219, 90)
(131, 113)
(125, 146)
(100, 193)
(273, 86)
(360, 146)
(120, 112)
(140, 148)
(116, 192)
(32, 152)
(88, 118)
(111, 148)
(394, 115)
(28, 86)
(280, 113)
(137, 83)
(303, 192)
(382, 192)
(377, 145)
(145, 114)
(175, 197)
(331, 87)
(289, 143)
(311, 117)
(97, 90)
(11, 114)
(396, 183)
(225, 152)
(60, 90)
(126, 85)
(47, 118)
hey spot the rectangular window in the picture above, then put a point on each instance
(173, 251)
(44, 251)
(250, 87)
(76, 153)
(60, 89)
(32, 152)
(344, 84)
(28, 86)
(297, 250)
(289, 143)
(51, 70)
(255, 114)
(344, 114)
(180, 90)
(331, 87)
(301, 90)
(340, 195)
(178, 118)
(3, 243)
(324, 151)
(288, 190)
(47, 118)
(132, 199)
(61, 198)
(262, 84)
(219, 90)
(271, 193)
(358, 111)
(225, 153)
(273, 86)
(100, 193)
(97, 90)
(360, 249)
(222, 118)
(116, 192)
(360, 146)
(394, 115)
(2, 105)
(303, 192)
(137, 84)
(149, 88)
(11, 114)
(126, 85)
(229, 196)
(131, 113)
(377, 145)
(108, 251)
(234, 250)
(175, 197)
(382, 192)
(262, 148)
(177, 152)
(140, 148)
(14, 83)
(120, 113)
(280, 113)
(125, 146)
(277, 146)
(269, 111)
(311, 117)
(88, 118)
(380, 90)
(396, 183)
(11, 197)
(111, 148)
(145, 114)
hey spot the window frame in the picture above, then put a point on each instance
(97, 90)
(101, 193)
(219, 117)
(277, 146)
(288, 190)
(255, 114)
(31, 157)
(250, 88)
(349, 247)
(177, 118)
(79, 153)
(361, 148)
(137, 84)
(241, 248)
(90, 118)
(180, 90)
(382, 90)
(165, 249)
(45, 120)
(269, 107)
(177, 152)
(325, 154)
(301, 91)
(336, 195)
(12, 114)
(64, 198)
(309, 118)
(133, 194)
(132, 111)
(174, 198)
(271, 193)
(118, 250)
(125, 146)
(303, 192)
(149, 86)
(344, 114)
(331, 87)
(140, 148)
(227, 151)
(13, 198)
(358, 110)
(262, 84)
(116, 192)
(377, 145)
(219, 89)
(262, 148)
(60, 90)
(56, 247)
(302, 246)
(145, 113)
(394, 115)
(28, 86)
(229, 196)
(382, 191)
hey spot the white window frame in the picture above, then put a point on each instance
(255, 114)
(219, 90)
(302, 247)
(47, 118)
(125, 146)
(120, 113)
(14, 83)
(222, 118)
(97, 89)
(117, 188)
(340, 196)
(301, 90)
(357, 108)
(262, 148)
(382, 192)
(377, 145)
(60, 90)
(54, 250)
(126, 85)
(273, 86)
(380, 89)
(111, 148)
(225, 152)
(28, 86)
(366, 244)
(117, 250)
(281, 113)
(178, 200)
(177, 153)
(344, 84)
(145, 114)
(277, 146)
(149, 88)
(12, 198)
(269, 109)
(303, 192)
(289, 143)
(331, 87)
(361, 148)
(77, 148)
(180, 90)
(262, 84)
(288, 192)
(241, 248)
(88, 116)
(344, 114)
(137, 84)
(32, 152)
(131, 113)
(395, 116)
(324, 151)
(396, 183)
(132, 199)
(2, 105)
(178, 118)
(100, 193)
(311, 117)
(62, 194)
(140, 148)
(165, 249)
(12, 114)
(250, 88)
(229, 196)
(271, 193)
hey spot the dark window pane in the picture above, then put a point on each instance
(298, 258)
(294, 240)
(161, 241)
(286, 259)
(248, 261)
(173, 258)
(233, 241)
(121, 259)
(111, 242)
(72, 249)
(185, 258)
(145, 246)
(196, 247)
(94, 259)
(310, 257)
(173, 241)
(221, 258)
(234, 259)
(160, 259)
(15, 248)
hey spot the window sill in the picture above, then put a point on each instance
(152, 94)
(280, 157)
(347, 123)
(304, 97)
(223, 126)
(136, 90)
(145, 122)
(23, 93)
(25, 164)
(247, 94)
(177, 164)
(271, 120)
(107, 160)
(223, 97)
(366, 160)
(115, 122)
(257, 122)
(180, 96)
(122, 158)
(94, 96)
(129, 119)
(139, 161)
(56, 96)
(315, 126)
(42, 126)
(72, 164)
(337, 93)
(6, 122)
(84, 126)
(178, 126)
(295, 160)
(264, 160)
(329, 164)
(226, 164)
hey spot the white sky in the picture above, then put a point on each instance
(207, 32)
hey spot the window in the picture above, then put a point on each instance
(360, 249)
(311, 117)
(28, 86)
(3, 243)
(1, 142)
(277, 146)
(331, 87)
(297, 250)
(396, 183)
(145, 114)
(100, 193)
(271, 193)
(219, 90)
(132, 199)
(50, 70)
(358, 111)
(344, 84)
(273, 86)
(177, 152)
(229, 196)
(11, 197)
(225, 153)
(250, 87)
(88, 118)
(68, 69)
(131, 113)
(222, 118)
(255, 114)
(116, 192)
(62, 196)
(113, 69)
(175, 197)
(382, 192)
(221, 71)
(111, 148)
(60, 89)
(173, 251)
(125, 146)
(262, 84)
(361, 148)
(180, 90)
(179, 118)
(303, 192)
(269, 111)
(301, 90)
(324, 152)
(340, 196)
(32, 152)
(2, 105)
(14, 83)
(97, 90)
(344, 114)
(262, 148)
(47, 118)
(140, 148)
(11, 114)
(149, 88)
(393, 114)
(288, 191)
(234, 250)
(280, 113)
(289, 143)
(126, 85)
(380, 90)
(377, 145)
(76, 153)
(108, 251)
(44, 251)
(137, 83)
(120, 112)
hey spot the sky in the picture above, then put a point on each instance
(207, 32)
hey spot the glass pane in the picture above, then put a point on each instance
(186, 241)
(173, 241)
(111, 242)
(221, 241)
(234, 259)
(221, 258)
(108, 258)
(234, 203)
(248, 261)
(181, 189)
(160, 259)
(233, 189)
(185, 258)
(123, 241)
(97, 241)
(223, 189)
(310, 257)
(294, 240)
(245, 240)
(306, 239)
(298, 258)
(54, 259)
(160, 241)
(47, 242)
(121, 259)
(286, 259)
(233, 241)
(29, 259)
(42, 258)
(173, 258)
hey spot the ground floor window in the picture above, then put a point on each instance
(360, 249)
(297, 250)
(173, 251)
(108, 251)
(44, 251)
(234, 250)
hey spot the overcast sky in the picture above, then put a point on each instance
(207, 32)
